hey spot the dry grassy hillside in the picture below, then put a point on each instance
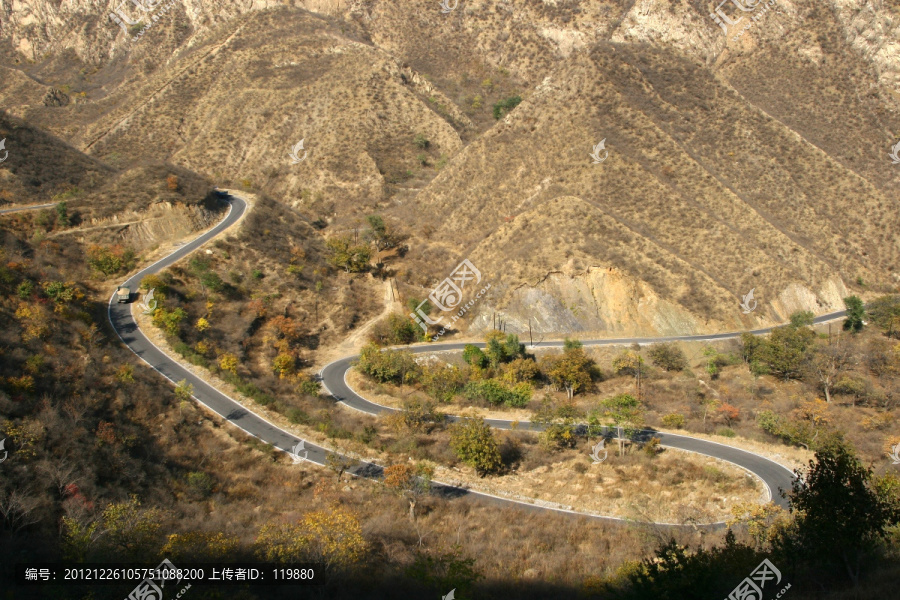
(734, 164)
(719, 196)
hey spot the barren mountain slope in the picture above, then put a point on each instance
(694, 171)
(734, 164)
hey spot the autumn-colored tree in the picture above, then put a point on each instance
(153, 282)
(283, 365)
(885, 313)
(169, 320)
(571, 370)
(729, 413)
(202, 324)
(331, 537)
(124, 531)
(228, 362)
(125, 373)
(61, 293)
(200, 546)
(172, 182)
(764, 522)
(34, 320)
(285, 327)
(395, 366)
(520, 370)
(109, 260)
(106, 433)
(409, 482)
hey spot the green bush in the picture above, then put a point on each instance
(474, 356)
(395, 329)
(496, 393)
(506, 105)
(396, 366)
(200, 483)
(726, 432)
(474, 443)
(297, 416)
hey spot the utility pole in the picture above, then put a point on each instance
(640, 369)
(530, 337)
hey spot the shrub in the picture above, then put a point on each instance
(442, 381)
(504, 106)
(673, 420)
(415, 415)
(342, 253)
(474, 356)
(802, 318)
(62, 215)
(393, 330)
(200, 483)
(298, 416)
(397, 366)
(668, 356)
(495, 392)
(559, 435)
(110, 260)
(521, 370)
(627, 363)
(726, 432)
(474, 443)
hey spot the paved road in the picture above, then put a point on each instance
(333, 375)
(774, 476)
(21, 208)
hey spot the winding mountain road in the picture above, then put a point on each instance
(24, 208)
(773, 475)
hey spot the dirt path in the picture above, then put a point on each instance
(358, 338)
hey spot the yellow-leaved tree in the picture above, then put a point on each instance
(199, 546)
(329, 537)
